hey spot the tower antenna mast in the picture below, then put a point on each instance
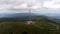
(30, 16)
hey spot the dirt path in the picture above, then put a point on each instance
(57, 27)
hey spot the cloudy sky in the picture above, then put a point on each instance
(37, 6)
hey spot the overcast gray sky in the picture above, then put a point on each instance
(37, 6)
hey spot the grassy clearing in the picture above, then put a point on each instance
(45, 24)
(19, 27)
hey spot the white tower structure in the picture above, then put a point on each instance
(30, 16)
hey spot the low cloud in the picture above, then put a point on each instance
(23, 5)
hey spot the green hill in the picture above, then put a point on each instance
(20, 27)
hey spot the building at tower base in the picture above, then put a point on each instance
(30, 22)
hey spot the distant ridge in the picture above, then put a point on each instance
(25, 17)
(16, 14)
